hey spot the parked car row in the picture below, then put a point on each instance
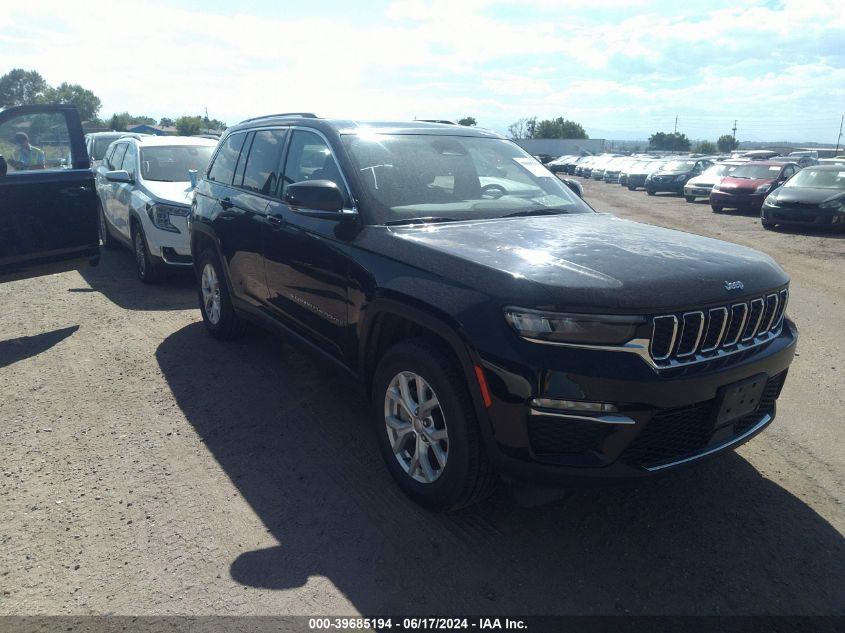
(758, 181)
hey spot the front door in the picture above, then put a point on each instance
(305, 262)
(48, 204)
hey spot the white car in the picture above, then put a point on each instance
(701, 186)
(145, 191)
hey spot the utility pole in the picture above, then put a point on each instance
(839, 138)
(676, 124)
(733, 133)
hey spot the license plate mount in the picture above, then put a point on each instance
(739, 399)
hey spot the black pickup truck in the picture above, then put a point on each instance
(48, 203)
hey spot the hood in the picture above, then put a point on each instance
(673, 172)
(744, 184)
(175, 192)
(806, 195)
(589, 262)
(704, 180)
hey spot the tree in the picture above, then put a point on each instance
(727, 143)
(86, 101)
(673, 142)
(166, 122)
(469, 121)
(523, 128)
(119, 122)
(20, 87)
(559, 128)
(189, 125)
(705, 147)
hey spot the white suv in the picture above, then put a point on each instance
(145, 191)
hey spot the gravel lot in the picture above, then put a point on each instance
(147, 469)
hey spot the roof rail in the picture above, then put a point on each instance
(304, 115)
(446, 121)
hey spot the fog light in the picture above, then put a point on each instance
(574, 405)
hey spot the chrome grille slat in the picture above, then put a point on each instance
(755, 316)
(700, 335)
(717, 320)
(693, 323)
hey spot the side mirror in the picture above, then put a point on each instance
(3, 167)
(575, 186)
(315, 195)
(119, 175)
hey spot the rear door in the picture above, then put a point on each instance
(48, 204)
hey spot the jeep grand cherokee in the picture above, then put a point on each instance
(500, 325)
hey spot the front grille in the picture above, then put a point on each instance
(674, 434)
(679, 339)
(553, 437)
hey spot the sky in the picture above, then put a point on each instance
(624, 69)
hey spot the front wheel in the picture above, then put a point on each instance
(650, 192)
(689, 198)
(769, 226)
(427, 429)
(149, 271)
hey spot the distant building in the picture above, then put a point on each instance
(561, 146)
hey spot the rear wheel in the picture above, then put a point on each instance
(105, 236)
(215, 303)
(426, 427)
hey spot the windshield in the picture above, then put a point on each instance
(756, 172)
(679, 165)
(818, 178)
(171, 163)
(720, 169)
(425, 177)
(101, 143)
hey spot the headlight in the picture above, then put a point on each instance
(582, 329)
(716, 188)
(680, 178)
(837, 205)
(160, 215)
(763, 189)
(771, 200)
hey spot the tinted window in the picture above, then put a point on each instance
(117, 157)
(99, 145)
(223, 168)
(128, 163)
(36, 142)
(309, 158)
(262, 165)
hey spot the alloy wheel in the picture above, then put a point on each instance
(210, 287)
(416, 427)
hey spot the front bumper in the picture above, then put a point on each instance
(665, 419)
(806, 216)
(697, 191)
(659, 187)
(737, 200)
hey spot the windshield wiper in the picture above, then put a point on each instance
(426, 220)
(539, 211)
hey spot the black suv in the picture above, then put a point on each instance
(500, 325)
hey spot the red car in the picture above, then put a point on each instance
(746, 186)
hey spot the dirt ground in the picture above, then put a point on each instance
(147, 469)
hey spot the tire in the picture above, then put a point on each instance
(650, 192)
(106, 238)
(769, 226)
(689, 198)
(466, 476)
(716, 208)
(221, 320)
(631, 188)
(149, 271)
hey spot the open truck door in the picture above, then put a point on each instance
(48, 202)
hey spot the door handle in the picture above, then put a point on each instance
(276, 221)
(226, 203)
(75, 191)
